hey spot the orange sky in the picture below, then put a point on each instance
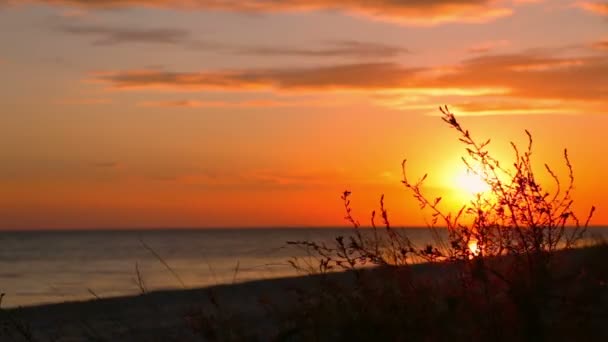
(199, 113)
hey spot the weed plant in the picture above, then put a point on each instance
(505, 271)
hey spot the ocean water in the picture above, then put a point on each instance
(55, 266)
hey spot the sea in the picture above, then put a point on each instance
(41, 267)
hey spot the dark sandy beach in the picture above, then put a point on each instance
(164, 315)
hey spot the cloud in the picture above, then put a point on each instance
(524, 75)
(423, 12)
(107, 35)
(260, 103)
(601, 45)
(113, 36)
(533, 76)
(352, 76)
(215, 104)
(600, 8)
(529, 76)
(339, 48)
(84, 101)
(73, 13)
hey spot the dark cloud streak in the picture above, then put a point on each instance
(339, 48)
(110, 36)
(352, 76)
(104, 35)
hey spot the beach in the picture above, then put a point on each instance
(251, 307)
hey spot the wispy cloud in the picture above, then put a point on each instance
(74, 13)
(83, 101)
(109, 36)
(528, 1)
(600, 8)
(352, 76)
(215, 104)
(262, 103)
(104, 35)
(338, 48)
(427, 12)
(601, 45)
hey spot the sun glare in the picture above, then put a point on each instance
(474, 247)
(472, 184)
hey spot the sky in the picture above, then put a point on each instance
(257, 113)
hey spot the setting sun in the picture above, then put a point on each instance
(470, 183)
(473, 246)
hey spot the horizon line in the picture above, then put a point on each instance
(183, 228)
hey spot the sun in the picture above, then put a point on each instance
(473, 246)
(470, 183)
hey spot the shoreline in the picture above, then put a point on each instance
(164, 311)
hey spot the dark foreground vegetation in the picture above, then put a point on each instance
(509, 270)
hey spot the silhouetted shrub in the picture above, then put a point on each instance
(505, 270)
